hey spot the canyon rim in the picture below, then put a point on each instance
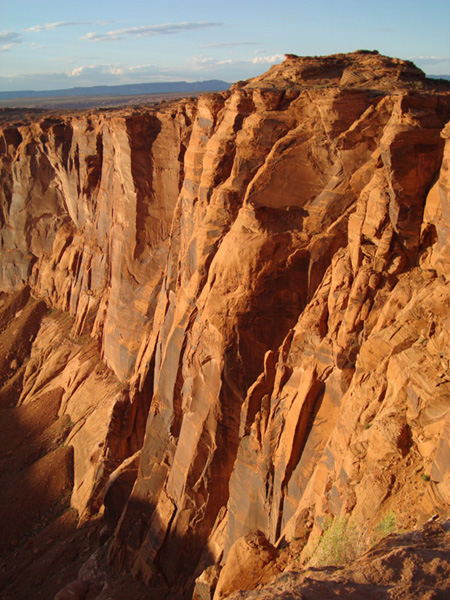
(225, 322)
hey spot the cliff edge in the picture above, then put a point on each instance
(243, 310)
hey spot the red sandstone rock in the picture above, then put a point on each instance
(251, 562)
(412, 566)
(206, 584)
(266, 271)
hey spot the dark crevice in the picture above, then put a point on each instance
(310, 408)
(94, 165)
(177, 413)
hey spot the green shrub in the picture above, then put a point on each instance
(342, 541)
(338, 545)
(385, 526)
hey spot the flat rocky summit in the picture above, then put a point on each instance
(362, 69)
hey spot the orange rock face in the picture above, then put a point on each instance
(266, 271)
(408, 567)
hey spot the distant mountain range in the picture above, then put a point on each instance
(439, 77)
(213, 85)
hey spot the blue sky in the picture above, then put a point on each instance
(48, 44)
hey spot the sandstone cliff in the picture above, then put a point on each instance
(258, 282)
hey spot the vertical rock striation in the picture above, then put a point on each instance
(266, 269)
(88, 206)
(330, 188)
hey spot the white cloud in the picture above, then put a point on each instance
(87, 75)
(227, 45)
(432, 65)
(9, 39)
(47, 26)
(148, 30)
(429, 58)
(6, 47)
(204, 63)
(76, 72)
(212, 62)
(92, 72)
(267, 60)
(202, 60)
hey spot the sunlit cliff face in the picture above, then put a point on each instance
(259, 287)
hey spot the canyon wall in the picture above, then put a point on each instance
(259, 287)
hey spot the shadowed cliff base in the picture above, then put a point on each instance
(36, 468)
(249, 307)
(42, 542)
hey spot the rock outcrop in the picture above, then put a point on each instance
(406, 567)
(258, 290)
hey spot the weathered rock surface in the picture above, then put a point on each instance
(411, 566)
(258, 284)
(252, 561)
(87, 207)
(311, 266)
